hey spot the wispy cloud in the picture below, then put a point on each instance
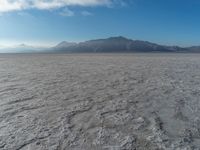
(67, 12)
(86, 13)
(17, 5)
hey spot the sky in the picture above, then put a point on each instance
(48, 22)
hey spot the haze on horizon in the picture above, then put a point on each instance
(46, 23)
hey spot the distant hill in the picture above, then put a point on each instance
(63, 45)
(194, 49)
(116, 44)
(22, 48)
(110, 45)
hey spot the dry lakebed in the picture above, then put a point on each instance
(100, 101)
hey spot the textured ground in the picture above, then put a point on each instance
(100, 102)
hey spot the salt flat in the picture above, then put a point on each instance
(99, 101)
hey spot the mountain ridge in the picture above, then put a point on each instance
(115, 44)
(118, 44)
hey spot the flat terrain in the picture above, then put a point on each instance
(100, 102)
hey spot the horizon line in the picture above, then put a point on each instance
(45, 44)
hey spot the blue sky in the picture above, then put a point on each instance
(47, 22)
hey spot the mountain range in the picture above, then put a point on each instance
(118, 44)
(110, 45)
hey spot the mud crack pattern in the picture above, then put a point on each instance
(100, 102)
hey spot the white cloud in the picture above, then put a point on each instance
(86, 13)
(67, 12)
(16, 5)
(6, 5)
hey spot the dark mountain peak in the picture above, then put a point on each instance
(65, 44)
(119, 44)
(121, 38)
(22, 45)
(110, 39)
(25, 46)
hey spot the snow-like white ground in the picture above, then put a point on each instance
(100, 102)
